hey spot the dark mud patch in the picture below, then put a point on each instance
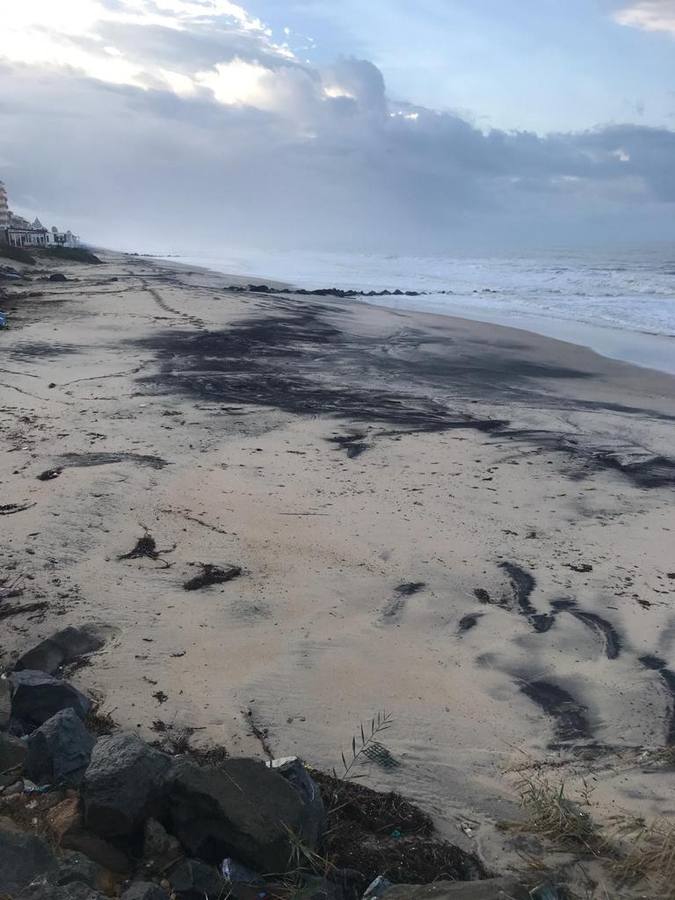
(656, 664)
(87, 460)
(466, 623)
(523, 584)
(607, 632)
(28, 351)
(354, 444)
(569, 715)
(375, 834)
(296, 360)
(393, 609)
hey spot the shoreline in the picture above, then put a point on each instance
(643, 348)
(467, 525)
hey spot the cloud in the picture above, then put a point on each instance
(206, 132)
(649, 15)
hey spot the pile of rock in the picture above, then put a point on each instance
(84, 817)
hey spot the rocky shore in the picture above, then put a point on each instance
(88, 811)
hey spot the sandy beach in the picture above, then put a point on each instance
(466, 525)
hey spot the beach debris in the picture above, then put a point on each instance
(482, 595)
(57, 276)
(146, 546)
(49, 474)
(9, 509)
(14, 609)
(234, 873)
(380, 755)
(3, 320)
(160, 696)
(396, 605)
(212, 574)
(580, 567)
(353, 442)
(377, 888)
(11, 589)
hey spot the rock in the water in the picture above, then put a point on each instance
(121, 786)
(23, 857)
(160, 849)
(5, 703)
(194, 880)
(37, 696)
(241, 809)
(145, 890)
(12, 758)
(491, 889)
(64, 647)
(59, 751)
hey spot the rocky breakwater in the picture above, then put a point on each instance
(85, 815)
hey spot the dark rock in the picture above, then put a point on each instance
(45, 889)
(491, 889)
(122, 784)
(23, 857)
(58, 276)
(37, 697)
(241, 809)
(59, 751)
(5, 703)
(12, 758)
(194, 880)
(97, 849)
(78, 867)
(64, 647)
(148, 890)
(49, 474)
(160, 849)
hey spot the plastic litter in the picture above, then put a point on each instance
(3, 320)
(235, 873)
(377, 888)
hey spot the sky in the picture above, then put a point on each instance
(392, 125)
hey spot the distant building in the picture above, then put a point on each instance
(19, 232)
(4, 208)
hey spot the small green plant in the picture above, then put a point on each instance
(366, 746)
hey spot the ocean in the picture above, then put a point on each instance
(620, 303)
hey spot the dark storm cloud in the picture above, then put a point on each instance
(309, 157)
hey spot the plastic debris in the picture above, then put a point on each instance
(377, 888)
(235, 873)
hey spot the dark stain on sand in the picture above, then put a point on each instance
(291, 356)
(571, 723)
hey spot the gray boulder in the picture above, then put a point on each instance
(145, 890)
(5, 704)
(122, 785)
(194, 880)
(64, 647)
(160, 849)
(37, 697)
(491, 889)
(75, 867)
(241, 809)
(23, 857)
(12, 758)
(59, 751)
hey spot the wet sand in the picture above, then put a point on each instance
(467, 525)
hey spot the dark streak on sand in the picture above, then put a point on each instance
(523, 583)
(570, 716)
(292, 357)
(668, 676)
(466, 623)
(396, 605)
(86, 460)
(605, 629)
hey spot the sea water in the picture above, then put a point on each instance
(619, 302)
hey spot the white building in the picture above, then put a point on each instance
(4, 208)
(19, 232)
